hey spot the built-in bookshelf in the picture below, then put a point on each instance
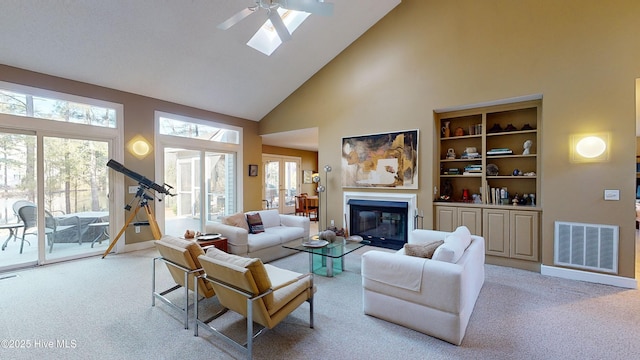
(489, 166)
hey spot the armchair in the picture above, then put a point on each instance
(436, 295)
(181, 258)
(262, 293)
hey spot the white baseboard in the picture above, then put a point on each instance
(139, 246)
(597, 278)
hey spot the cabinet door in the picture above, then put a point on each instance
(524, 235)
(471, 218)
(446, 218)
(495, 230)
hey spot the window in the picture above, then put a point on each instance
(266, 40)
(55, 108)
(200, 161)
(196, 130)
(60, 169)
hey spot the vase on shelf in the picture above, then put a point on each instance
(446, 131)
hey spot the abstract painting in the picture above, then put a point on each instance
(386, 160)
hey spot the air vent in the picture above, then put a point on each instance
(586, 246)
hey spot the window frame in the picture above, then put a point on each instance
(42, 127)
(163, 141)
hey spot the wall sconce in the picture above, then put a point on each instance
(590, 147)
(139, 147)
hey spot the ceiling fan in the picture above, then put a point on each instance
(271, 6)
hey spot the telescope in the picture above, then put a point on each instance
(142, 181)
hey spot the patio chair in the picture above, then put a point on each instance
(261, 293)
(28, 214)
(181, 258)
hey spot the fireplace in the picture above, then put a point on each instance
(382, 218)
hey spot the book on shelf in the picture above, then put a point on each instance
(500, 151)
(470, 155)
(484, 190)
(498, 196)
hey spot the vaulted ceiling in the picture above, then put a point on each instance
(172, 50)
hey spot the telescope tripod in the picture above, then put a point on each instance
(142, 203)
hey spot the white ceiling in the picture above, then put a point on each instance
(172, 50)
(304, 139)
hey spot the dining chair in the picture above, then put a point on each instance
(300, 205)
(312, 211)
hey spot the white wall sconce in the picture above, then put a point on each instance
(590, 147)
(139, 147)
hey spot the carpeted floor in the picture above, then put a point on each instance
(101, 309)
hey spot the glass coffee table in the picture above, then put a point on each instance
(328, 259)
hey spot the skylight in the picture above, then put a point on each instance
(266, 39)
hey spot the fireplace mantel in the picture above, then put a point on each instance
(410, 199)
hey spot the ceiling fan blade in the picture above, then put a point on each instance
(310, 6)
(236, 18)
(277, 23)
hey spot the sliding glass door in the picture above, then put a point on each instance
(75, 207)
(203, 182)
(69, 217)
(18, 182)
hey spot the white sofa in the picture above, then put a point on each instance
(279, 230)
(432, 296)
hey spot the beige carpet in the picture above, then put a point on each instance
(100, 309)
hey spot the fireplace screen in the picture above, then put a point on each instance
(384, 223)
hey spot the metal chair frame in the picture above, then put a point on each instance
(247, 347)
(161, 295)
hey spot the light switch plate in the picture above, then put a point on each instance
(612, 194)
(133, 189)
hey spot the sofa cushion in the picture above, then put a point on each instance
(270, 218)
(237, 220)
(286, 233)
(452, 249)
(286, 286)
(422, 250)
(263, 240)
(255, 223)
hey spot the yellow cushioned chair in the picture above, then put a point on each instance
(181, 258)
(262, 293)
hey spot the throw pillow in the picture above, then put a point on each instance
(255, 223)
(462, 234)
(237, 220)
(451, 251)
(423, 251)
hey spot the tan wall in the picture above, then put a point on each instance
(582, 56)
(138, 120)
(308, 161)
